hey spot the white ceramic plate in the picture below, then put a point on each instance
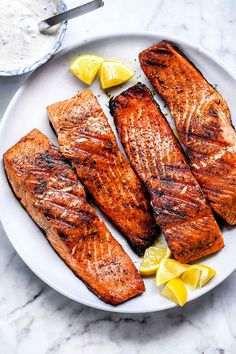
(26, 111)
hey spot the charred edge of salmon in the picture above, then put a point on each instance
(165, 48)
(139, 90)
(162, 48)
(136, 91)
(140, 250)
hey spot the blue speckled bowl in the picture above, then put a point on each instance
(60, 35)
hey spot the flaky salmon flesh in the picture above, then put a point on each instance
(179, 205)
(203, 121)
(49, 190)
(88, 142)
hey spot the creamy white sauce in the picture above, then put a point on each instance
(21, 43)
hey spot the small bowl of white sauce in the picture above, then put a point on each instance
(23, 48)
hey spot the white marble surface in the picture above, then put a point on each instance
(34, 319)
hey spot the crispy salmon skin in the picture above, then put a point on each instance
(203, 121)
(178, 202)
(86, 139)
(49, 190)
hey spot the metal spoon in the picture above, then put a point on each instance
(67, 15)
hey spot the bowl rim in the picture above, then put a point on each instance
(57, 44)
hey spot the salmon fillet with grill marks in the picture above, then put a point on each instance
(178, 202)
(49, 190)
(203, 122)
(86, 139)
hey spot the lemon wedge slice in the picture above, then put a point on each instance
(197, 276)
(191, 278)
(152, 258)
(113, 73)
(176, 291)
(169, 269)
(85, 67)
(207, 273)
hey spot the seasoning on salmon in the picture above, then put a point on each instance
(49, 190)
(203, 121)
(87, 140)
(179, 205)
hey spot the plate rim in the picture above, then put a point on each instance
(43, 277)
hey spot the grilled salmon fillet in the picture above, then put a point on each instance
(49, 190)
(179, 205)
(203, 122)
(86, 139)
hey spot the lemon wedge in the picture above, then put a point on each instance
(85, 67)
(113, 73)
(176, 291)
(197, 276)
(169, 269)
(191, 278)
(152, 258)
(207, 273)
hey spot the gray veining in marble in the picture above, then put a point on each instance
(35, 319)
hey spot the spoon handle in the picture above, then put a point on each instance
(67, 15)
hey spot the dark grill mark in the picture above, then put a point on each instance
(41, 188)
(213, 113)
(155, 63)
(62, 235)
(157, 192)
(161, 51)
(48, 160)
